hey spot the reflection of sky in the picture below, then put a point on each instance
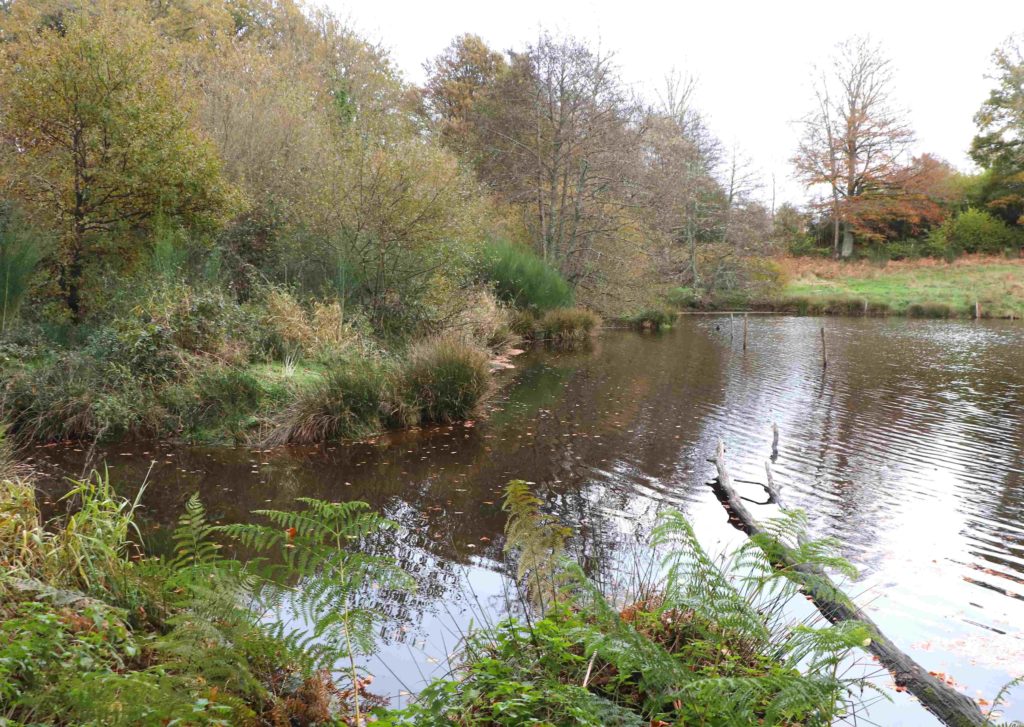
(907, 448)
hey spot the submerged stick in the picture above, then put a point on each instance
(744, 331)
(950, 706)
(775, 441)
(824, 350)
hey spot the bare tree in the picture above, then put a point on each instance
(560, 134)
(854, 139)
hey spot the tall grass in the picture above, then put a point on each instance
(568, 326)
(445, 379)
(351, 401)
(523, 279)
(21, 249)
(652, 319)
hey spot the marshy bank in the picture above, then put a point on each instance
(969, 287)
(880, 449)
(197, 366)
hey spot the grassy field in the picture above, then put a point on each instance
(927, 288)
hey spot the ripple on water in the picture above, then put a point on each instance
(909, 448)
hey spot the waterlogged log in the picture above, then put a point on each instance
(950, 706)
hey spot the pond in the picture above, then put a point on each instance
(908, 448)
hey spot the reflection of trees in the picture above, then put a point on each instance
(610, 437)
(587, 427)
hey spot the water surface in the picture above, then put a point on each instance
(908, 448)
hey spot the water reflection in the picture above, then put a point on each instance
(908, 448)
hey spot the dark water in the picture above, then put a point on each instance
(909, 449)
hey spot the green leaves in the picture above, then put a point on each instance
(711, 642)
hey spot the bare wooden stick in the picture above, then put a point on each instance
(586, 677)
(824, 349)
(977, 311)
(744, 331)
(773, 491)
(950, 706)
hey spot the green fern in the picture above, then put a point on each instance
(712, 645)
(538, 540)
(193, 538)
(323, 573)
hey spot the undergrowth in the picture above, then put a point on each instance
(711, 644)
(93, 632)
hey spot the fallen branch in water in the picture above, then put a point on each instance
(950, 706)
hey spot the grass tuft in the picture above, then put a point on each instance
(445, 379)
(567, 327)
(350, 401)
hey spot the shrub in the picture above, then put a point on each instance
(523, 323)
(226, 397)
(807, 246)
(332, 334)
(485, 321)
(323, 332)
(93, 632)
(683, 297)
(445, 379)
(698, 646)
(652, 319)
(350, 401)
(523, 279)
(937, 245)
(287, 322)
(568, 326)
(977, 231)
(904, 250)
(77, 397)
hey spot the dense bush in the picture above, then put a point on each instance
(568, 326)
(682, 297)
(974, 231)
(77, 396)
(523, 279)
(445, 379)
(523, 323)
(485, 320)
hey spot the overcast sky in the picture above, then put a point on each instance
(752, 59)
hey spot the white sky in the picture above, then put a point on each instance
(752, 59)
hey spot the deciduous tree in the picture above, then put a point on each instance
(854, 140)
(96, 136)
(999, 145)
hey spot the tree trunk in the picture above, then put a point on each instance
(847, 249)
(949, 705)
(69, 278)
